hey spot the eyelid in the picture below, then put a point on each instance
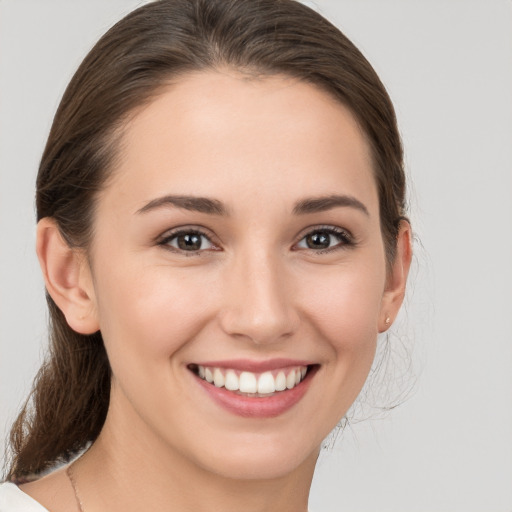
(165, 237)
(342, 233)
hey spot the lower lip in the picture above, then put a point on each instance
(258, 407)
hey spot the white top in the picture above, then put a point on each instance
(13, 499)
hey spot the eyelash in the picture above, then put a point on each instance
(344, 237)
(173, 235)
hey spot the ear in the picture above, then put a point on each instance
(397, 278)
(68, 278)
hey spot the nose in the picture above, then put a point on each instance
(258, 300)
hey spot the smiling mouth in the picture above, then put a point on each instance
(252, 384)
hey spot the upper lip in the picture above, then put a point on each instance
(251, 365)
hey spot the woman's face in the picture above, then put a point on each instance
(238, 240)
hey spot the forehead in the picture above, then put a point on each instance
(223, 134)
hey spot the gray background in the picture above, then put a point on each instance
(448, 67)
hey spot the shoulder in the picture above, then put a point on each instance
(50, 492)
(13, 499)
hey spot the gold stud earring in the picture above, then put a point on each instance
(387, 321)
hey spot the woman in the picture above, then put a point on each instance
(221, 230)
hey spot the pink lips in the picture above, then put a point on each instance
(254, 406)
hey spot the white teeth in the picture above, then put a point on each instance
(290, 380)
(266, 383)
(231, 381)
(218, 378)
(280, 381)
(208, 375)
(248, 383)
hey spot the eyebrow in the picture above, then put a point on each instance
(324, 203)
(192, 203)
(215, 207)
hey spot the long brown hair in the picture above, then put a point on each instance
(126, 69)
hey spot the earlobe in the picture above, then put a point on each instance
(397, 279)
(67, 277)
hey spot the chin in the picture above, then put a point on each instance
(261, 459)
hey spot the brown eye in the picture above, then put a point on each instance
(319, 240)
(188, 241)
(325, 239)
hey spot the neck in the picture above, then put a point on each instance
(122, 472)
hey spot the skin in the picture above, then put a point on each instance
(255, 290)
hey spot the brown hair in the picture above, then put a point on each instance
(126, 69)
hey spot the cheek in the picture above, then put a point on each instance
(152, 312)
(344, 311)
(345, 305)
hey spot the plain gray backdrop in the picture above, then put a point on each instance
(448, 67)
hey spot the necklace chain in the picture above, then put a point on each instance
(71, 477)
